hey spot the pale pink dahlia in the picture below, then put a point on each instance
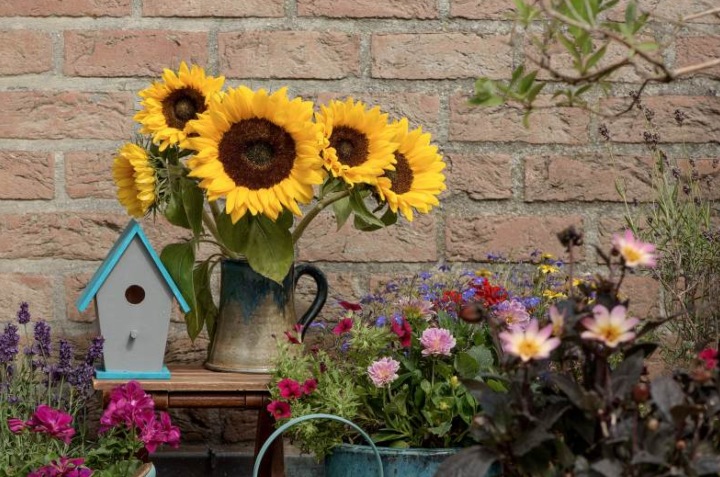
(530, 343)
(610, 327)
(633, 251)
(437, 342)
(383, 371)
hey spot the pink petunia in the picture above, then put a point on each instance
(279, 409)
(63, 467)
(437, 342)
(129, 405)
(383, 371)
(52, 422)
(309, 386)
(403, 330)
(710, 357)
(633, 251)
(16, 425)
(350, 306)
(343, 326)
(289, 388)
(159, 430)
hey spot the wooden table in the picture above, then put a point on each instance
(197, 387)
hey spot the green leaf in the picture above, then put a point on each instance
(597, 56)
(364, 219)
(269, 248)
(234, 236)
(442, 429)
(285, 219)
(179, 259)
(203, 293)
(342, 210)
(466, 365)
(516, 75)
(483, 355)
(175, 210)
(526, 82)
(193, 202)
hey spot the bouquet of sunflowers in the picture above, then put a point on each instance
(235, 165)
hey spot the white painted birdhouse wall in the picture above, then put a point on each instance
(134, 306)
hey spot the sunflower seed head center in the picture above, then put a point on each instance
(185, 109)
(260, 152)
(402, 177)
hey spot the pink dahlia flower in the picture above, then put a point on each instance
(530, 343)
(610, 327)
(437, 342)
(633, 251)
(513, 314)
(383, 371)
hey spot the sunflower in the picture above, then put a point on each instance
(169, 105)
(416, 181)
(360, 141)
(135, 178)
(260, 152)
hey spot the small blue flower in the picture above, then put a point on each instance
(425, 275)
(381, 321)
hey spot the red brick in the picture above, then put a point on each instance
(26, 175)
(588, 178)
(421, 109)
(289, 54)
(694, 50)
(89, 174)
(37, 290)
(481, 176)
(66, 115)
(505, 123)
(644, 295)
(72, 236)
(402, 242)
(701, 125)
(213, 8)
(516, 237)
(669, 10)
(482, 9)
(25, 51)
(131, 52)
(74, 286)
(368, 8)
(440, 56)
(74, 8)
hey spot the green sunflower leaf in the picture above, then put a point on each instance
(193, 200)
(234, 236)
(269, 248)
(364, 219)
(206, 308)
(175, 210)
(342, 211)
(179, 259)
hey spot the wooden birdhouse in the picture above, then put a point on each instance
(133, 294)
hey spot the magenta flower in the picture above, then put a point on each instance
(383, 371)
(279, 409)
(350, 306)
(343, 326)
(513, 313)
(633, 251)
(159, 431)
(309, 386)
(52, 422)
(401, 327)
(437, 342)
(708, 355)
(130, 405)
(16, 425)
(289, 388)
(63, 467)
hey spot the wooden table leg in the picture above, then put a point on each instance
(273, 464)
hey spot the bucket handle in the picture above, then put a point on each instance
(300, 419)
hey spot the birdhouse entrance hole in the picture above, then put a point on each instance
(135, 294)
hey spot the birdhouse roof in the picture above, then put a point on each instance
(132, 230)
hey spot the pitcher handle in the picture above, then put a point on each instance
(320, 296)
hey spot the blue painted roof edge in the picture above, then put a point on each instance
(133, 228)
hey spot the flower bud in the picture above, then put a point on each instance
(680, 445)
(653, 424)
(641, 392)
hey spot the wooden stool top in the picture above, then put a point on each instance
(196, 379)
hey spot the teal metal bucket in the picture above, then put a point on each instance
(349, 460)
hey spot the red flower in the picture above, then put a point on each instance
(343, 326)
(289, 388)
(279, 409)
(489, 295)
(309, 386)
(291, 338)
(350, 306)
(403, 330)
(710, 356)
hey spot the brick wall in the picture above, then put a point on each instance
(69, 72)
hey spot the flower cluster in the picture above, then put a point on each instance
(234, 165)
(390, 363)
(574, 396)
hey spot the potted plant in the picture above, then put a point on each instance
(45, 396)
(575, 397)
(234, 165)
(393, 365)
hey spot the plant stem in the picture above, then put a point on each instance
(312, 213)
(209, 221)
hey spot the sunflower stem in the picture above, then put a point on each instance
(312, 213)
(209, 221)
